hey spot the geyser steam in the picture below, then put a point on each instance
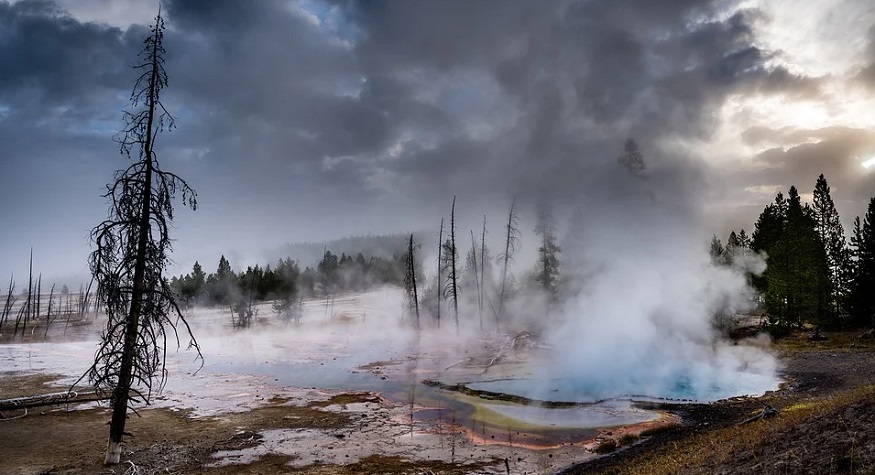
(637, 319)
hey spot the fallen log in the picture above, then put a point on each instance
(52, 399)
(768, 411)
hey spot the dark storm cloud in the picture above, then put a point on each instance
(347, 101)
(291, 91)
(579, 77)
(62, 84)
(59, 81)
(51, 59)
(284, 91)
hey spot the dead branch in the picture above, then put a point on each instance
(768, 412)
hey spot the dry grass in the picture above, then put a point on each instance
(658, 429)
(606, 446)
(836, 341)
(719, 446)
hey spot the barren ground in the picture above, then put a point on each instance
(825, 426)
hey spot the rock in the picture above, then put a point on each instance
(816, 335)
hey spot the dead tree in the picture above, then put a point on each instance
(451, 289)
(410, 283)
(10, 301)
(482, 272)
(476, 269)
(51, 399)
(84, 299)
(37, 307)
(24, 313)
(510, 246)
(768, 412)
(68, 311)
(548, 252)
(131, 255)
(439, 266)
(49, 313)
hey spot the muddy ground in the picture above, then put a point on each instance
(324, 432)
(59, 441)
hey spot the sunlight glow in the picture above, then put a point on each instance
(869, 163)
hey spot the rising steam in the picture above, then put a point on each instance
(637, 317)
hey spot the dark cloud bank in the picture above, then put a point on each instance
(349, 117)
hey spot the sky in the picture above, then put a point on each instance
(310, 120)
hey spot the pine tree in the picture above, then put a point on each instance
(716, 251)
(222, 286)
(769, 230)
(791, 285)
(733, 249)
(832, 234)
(224, 269)
(328, 272)
(739, 252)
(743, 239)
(733, 241)
(548, 252)
(862, 295)
(807, 270)
(632, 159)
(198, 278)
(287, 304)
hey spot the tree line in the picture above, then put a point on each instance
(814, 274)
(286, 281)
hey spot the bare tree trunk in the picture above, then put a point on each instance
(476, 277)
(9, 301)
(509, 247)
(411, 280)
(49, 314)
(28, 305)
(482, 272)
(439, 263)
(249, 311)
(83, 301)
(120, 395)
(123, 387)
(454, 282)
(18, 319)
(68, 313)
(97, 299)
(39, 293)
